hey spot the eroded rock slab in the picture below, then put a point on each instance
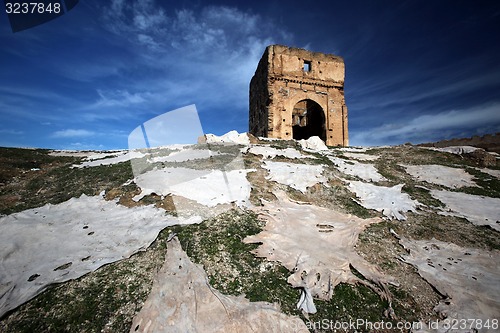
(314, 143)
(492, 172)
(361, 156)
(207, 187)
(468, 278)
(458, 150)
(232, 137)
(317, 245)
(109, 159)
(182, 300)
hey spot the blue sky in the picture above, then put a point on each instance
(416, 71)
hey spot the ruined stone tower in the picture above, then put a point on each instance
(296, 94)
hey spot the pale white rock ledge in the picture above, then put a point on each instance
(207, 187)
(271, 152)
(184, 155)
(110, 159)
(360, 156)
(491, 172)
(230, 137)
(317, 245)
(354, 149)
(314, 143)
(365, 171)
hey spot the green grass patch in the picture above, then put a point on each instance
(230, 265)
(63, 183)
(489, 185)
(421, 195)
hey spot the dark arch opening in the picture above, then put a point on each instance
(308, 119)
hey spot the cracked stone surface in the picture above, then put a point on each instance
(297, 176)
(57, 243)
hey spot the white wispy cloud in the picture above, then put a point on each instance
(10, 131)
(72, 133)
(205, 56)
(430, 127)
(82, 146)
(119, 97)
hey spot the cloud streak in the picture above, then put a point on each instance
(205, 56)
(110, 66)
(426, 128)
(73, 133)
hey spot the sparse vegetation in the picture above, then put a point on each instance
(54, 182)
(232, 268)
(106, 300)
(488, 185)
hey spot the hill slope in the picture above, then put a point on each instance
(344, 234)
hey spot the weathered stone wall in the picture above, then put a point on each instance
(287, 76)
(259, 99)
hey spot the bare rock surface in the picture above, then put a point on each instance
(297, 176)
(458, 150)
(492, 172)
(314, 143)
(316, 247)
(207, 187)
(360, 156)
(364, 171)
(271, 152)
(230, 137)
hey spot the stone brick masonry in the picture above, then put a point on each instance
(296, 94)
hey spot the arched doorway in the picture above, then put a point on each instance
(308, 119)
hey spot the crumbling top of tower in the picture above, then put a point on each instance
(303, 64)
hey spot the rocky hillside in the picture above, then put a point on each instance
(489, 142)
(238, 234)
